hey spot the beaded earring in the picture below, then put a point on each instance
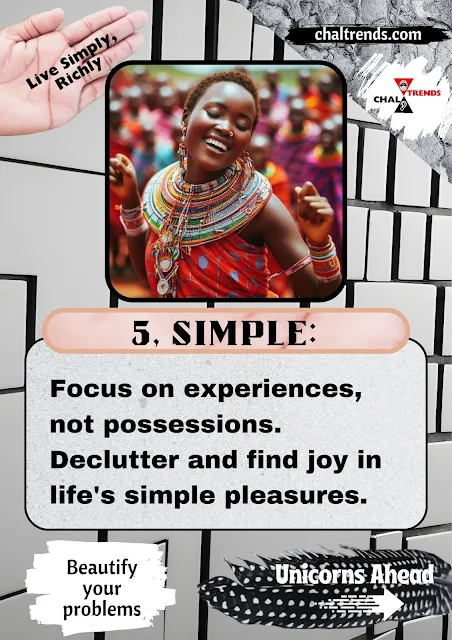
(248, 162)
(247, 171)
(182, 151)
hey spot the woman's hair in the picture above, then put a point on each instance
(237, 77)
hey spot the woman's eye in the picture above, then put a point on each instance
(241, 127)
(213, 115)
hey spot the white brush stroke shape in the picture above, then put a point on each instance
(146, 589)
(430, 113)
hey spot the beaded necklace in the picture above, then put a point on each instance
(186, 215)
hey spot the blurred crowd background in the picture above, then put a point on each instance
(298, 138)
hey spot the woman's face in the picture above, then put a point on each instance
(220, 126)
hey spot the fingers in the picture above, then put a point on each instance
(95, 83)
(78, 31)
(319, 211)
(112, 57)
(304, 211)
(116, 165)
(115, 175)
(301, 205)
(312, 208)
(121, 164)
(36, 26)
(309, 189)
(117, 31)
(316, 202)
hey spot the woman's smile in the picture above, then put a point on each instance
(216, 144)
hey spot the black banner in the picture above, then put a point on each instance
(362, 35)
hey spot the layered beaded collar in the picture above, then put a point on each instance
(186, 215)
(205, 212)
(185, 187)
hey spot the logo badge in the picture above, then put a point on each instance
(403, 84)
(403, 107)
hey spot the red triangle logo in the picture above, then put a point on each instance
(403, 84)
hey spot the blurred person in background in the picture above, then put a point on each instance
(270, 119)
(204, 226)
(162, 79)
(273, 82)
(337, 121)
(326, 103)
(150, 97)
(306, 86)
(323, 167)
(293, 94)
(143, 155)
(176, 139)
(141, 76)
(293, 141)
(121, 142)
(163, 116)
(134, 111)
(183, 88)
(260, 149)
(151, 155)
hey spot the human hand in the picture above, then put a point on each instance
(123, 181)
(315, 215)
(35, 45)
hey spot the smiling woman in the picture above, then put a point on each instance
(204, 225)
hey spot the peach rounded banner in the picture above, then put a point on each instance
(220, 331)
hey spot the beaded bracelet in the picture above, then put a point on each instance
(325, 261)
(296, 267)
(133, 221)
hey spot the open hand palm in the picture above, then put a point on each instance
(35, 45)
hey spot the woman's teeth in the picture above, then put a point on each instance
(216, 144)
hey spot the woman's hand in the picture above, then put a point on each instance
(30, 49)
(315, 215)
(123, 181)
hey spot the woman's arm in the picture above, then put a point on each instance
(275, 227)
(123, 182)
(315, 217)
(137, 248)
(278, 230)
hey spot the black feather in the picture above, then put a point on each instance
(255, 597)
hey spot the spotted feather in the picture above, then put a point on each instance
(255, 597)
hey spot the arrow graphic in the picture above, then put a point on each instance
(387, 604)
